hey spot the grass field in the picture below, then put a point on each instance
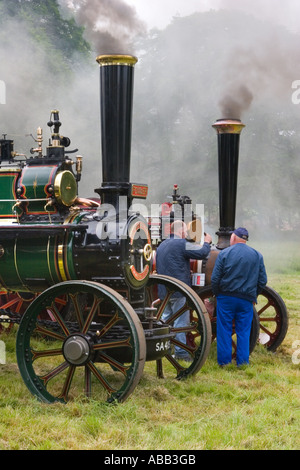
(255, 408)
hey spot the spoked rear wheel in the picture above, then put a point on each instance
(95, 346)
(196, 331)
(273, 318)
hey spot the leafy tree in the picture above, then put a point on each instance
(61, 38)
(44, 61)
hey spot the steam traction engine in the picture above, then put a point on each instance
(270, 322)
(76, 274)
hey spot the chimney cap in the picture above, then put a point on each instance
(229, 126)
(116, 59)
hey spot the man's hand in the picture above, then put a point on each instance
(207, 238)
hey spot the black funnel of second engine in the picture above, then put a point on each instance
(228, 131)
(116, 97)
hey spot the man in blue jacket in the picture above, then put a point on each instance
(173, 259)
(238, 277)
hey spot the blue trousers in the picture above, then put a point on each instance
(240, 311)
(173, 306)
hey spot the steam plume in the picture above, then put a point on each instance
(260, 66)
(110, 25)
(237, 101)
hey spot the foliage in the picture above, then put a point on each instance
(47, 28)
(45, 60)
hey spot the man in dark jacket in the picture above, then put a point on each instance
(238, 277)
(173, 259)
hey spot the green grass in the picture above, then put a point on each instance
(256, 407)
(281, 257)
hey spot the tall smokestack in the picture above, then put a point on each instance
(228, 131)
(116, 95)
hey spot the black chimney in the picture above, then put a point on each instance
(116, 95)
(6, 149)
(228, 131)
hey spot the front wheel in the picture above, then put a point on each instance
(188, 321)
(94, 346)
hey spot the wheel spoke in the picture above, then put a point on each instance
(46, 353)
(185, 329)
(15, 304)
(10, 303)
(176, 315)
(52, 334)
(113, 344)
(115, 319)
(269, 319)
(45, 378)
(78, 313)
(187, 348)
(266, 330)
(163, 305)
(54, 311)
(61, 301)
(100, 378)
(67, 384)
(264, 308)
(114, 363)
(91, 314)
(179, 368)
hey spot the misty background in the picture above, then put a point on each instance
(237, 62)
